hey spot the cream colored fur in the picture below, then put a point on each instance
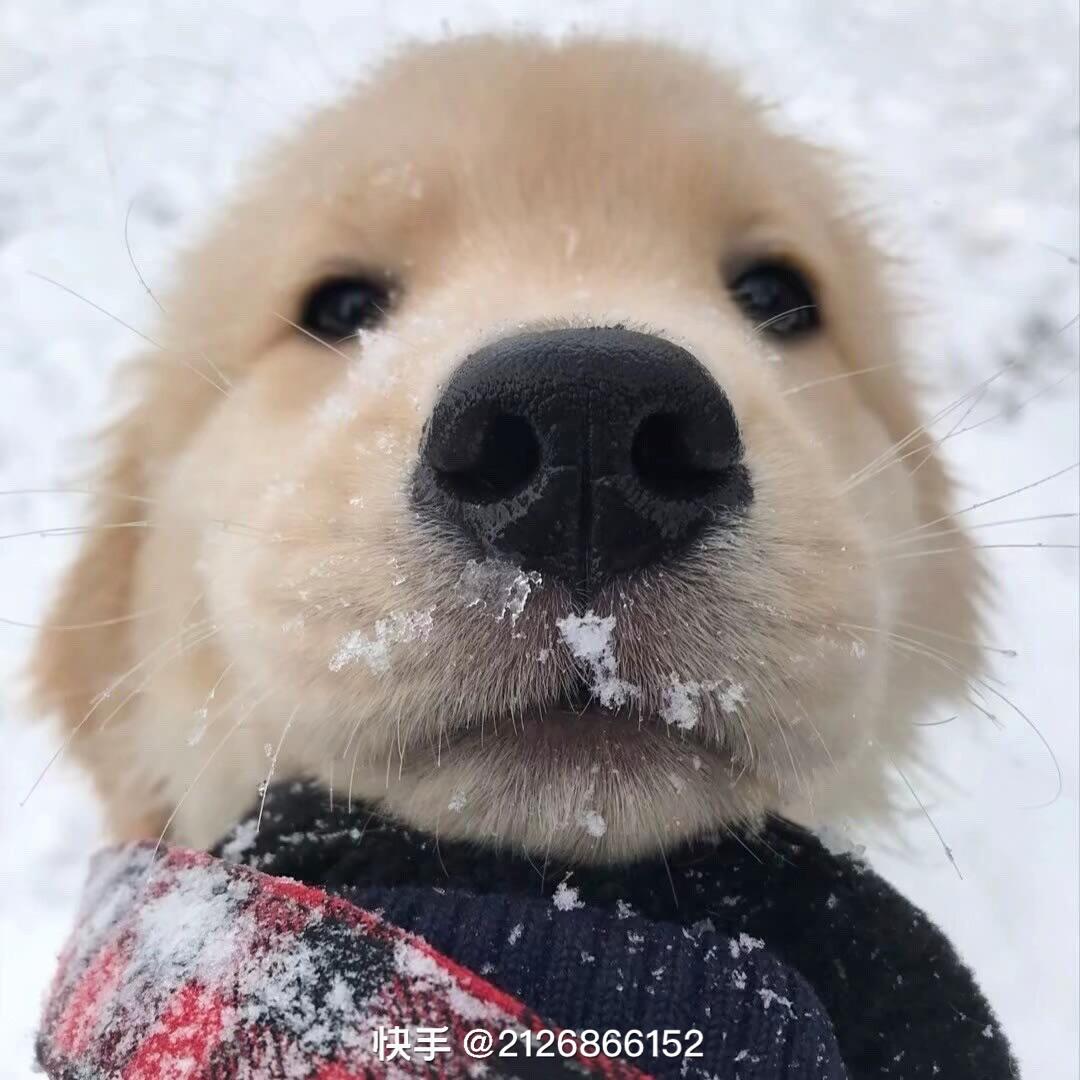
(506, 184)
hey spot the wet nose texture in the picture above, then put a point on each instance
(582, 453)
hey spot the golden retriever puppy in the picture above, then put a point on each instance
(530, 453)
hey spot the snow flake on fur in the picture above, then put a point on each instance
(184, 967)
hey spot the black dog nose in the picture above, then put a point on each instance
(583, 453)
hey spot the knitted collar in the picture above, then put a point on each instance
(901, 1002)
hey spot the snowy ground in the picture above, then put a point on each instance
(964, 115)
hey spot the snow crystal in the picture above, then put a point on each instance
(241, 841)
(498, 586)
(280, 490)
(695, 930)
(744, 943)
(771, 997)
(374, 650)
(515, 933)
(592, 822)
(457, 802)
(423, 970)
(681, 703)
(202, 722)
(565, 897)
(732, 697)
(837, 841)
(338, 407)
(588, 637)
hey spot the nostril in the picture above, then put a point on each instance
(669, 461)
(490, 464)
(582, 453)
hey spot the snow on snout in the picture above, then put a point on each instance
(588, 637)
(374, 648)
(499, 587)
(681, 705)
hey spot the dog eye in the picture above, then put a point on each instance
(339, 307)
(777, 299)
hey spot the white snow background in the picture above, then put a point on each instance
(964, 119)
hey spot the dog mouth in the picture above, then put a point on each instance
(577, 698)
(556, 751)
(577, 725)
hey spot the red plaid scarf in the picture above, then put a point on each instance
(184, 967)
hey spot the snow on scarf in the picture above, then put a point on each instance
(184, 967)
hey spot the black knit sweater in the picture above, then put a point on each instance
(827, 946)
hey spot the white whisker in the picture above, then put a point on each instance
(314, 337)
(888, 456)
(273, 765)
(95, 705)
(998, 498)
(933, 825)
(959, 640)
(98, 624)
(909, 536)
(827, 379)
(150, 292)
(127, 326)
(974, 547)
(974, 682)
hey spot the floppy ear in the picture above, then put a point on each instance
(84, 648)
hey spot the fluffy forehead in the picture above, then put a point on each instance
(517, 146)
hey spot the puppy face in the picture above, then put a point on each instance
(532, 454)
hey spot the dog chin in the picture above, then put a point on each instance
(590, 786)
